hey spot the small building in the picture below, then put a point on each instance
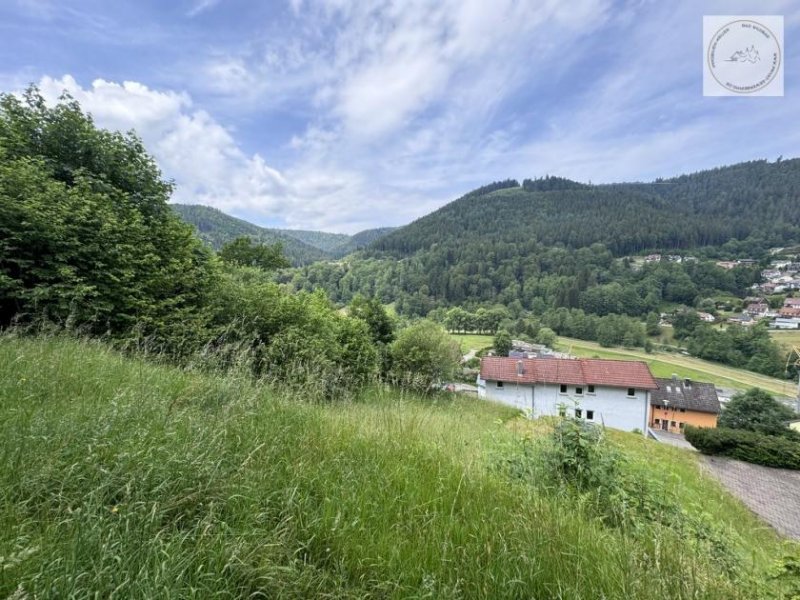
(614, 393)
(742, 319)
(789, 312)
(707, 317)
(786, 323)
(680, 402)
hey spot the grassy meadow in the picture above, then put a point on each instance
(122, 478)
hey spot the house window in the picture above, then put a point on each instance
(563, 388)
(631, 392)
(579, 391)
(683, 410)
(658, 421)
(680, 426)
(578, 413)
(590, 415)
(499, 384)
(669, 389)
(590, 389)
(672, 423)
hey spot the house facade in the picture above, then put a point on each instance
(680, 402)
(613, 393)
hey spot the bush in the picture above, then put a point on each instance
(424, 355)
(749, 446)
(756, 410)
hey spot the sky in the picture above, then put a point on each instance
(343, 115)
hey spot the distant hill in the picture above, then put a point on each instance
(708, 208)
(300, 246)
(216, 228)
(360, 240)
(544, 243)
(322, 240)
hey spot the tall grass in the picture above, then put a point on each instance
(121, 478)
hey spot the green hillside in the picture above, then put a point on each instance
(300, 246)
(322, 240)
(122, 478)
(216, 228)
(708, 208)
(360, 240)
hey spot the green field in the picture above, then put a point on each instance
(472, 341)
(664, 364)
(120, 478)
(787, 338)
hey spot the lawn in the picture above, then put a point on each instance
(120, 478)
(664, 364)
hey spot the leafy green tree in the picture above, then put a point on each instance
(372, 312)
(424, 355)
(757, 410)
(652, 326)
(502, 342)
(244, 252)
(546, 336)
(86, 236)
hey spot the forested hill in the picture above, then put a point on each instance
(216, 228)
(756, 199)
(300, 246)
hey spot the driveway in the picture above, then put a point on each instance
(673, 439)
(773, 494)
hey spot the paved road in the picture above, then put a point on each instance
(773, 494)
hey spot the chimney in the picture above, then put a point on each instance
(520, 370)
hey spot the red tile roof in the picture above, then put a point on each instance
(583, 371)
(790, 312)
(792, 303)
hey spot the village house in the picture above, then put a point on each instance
(789, 312)
(680, 402)
(613, 393)
(757, 309)
(791, 303)
(742, 319)
(707, 317)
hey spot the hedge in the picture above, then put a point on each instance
(749, 446)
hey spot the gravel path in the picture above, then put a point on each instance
(773, 494)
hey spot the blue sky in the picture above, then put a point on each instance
(341, 115)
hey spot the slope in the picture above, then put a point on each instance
(119, 477)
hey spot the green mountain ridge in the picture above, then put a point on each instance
(544, 243)
(300, 246)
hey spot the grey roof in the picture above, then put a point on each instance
(683, 393)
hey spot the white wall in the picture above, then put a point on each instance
(611, 406)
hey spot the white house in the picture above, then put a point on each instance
(786, 323)
(615, 393)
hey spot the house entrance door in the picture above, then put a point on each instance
(665, 425)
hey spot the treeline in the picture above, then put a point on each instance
(587, 278)
(749, 348)
(89, 243)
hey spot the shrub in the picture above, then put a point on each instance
(424, 355)
(749, 446)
